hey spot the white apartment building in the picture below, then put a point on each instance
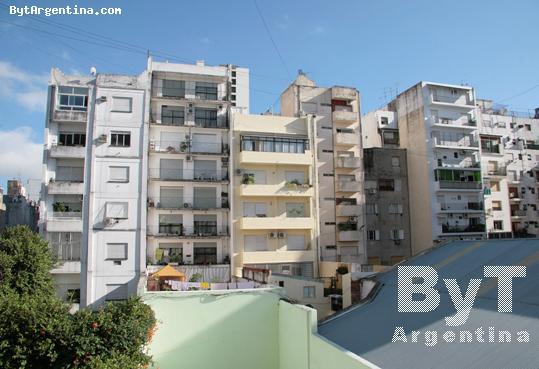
(437, 125)
(136, 171)
(275, 207)
(339, 164)
(510, 166)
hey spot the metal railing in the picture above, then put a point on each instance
(188, 175)
(460, 185)
(67, 215)
(463, 229)
(168, 120)
(467, 141)
(69, 115)
(461, 206)
(452, 99)
(457, 122)
(187, 147)
(184, 203)
(518, 213)
(207, 93)
(178, 229)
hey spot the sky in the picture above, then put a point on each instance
(381, 47)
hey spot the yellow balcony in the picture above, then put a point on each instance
(267, 257)
(345, 117)
(276, 190)
(283, 158)
(262, 223)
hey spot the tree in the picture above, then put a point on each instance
(37, 330)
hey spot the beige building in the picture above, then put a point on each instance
(274, 202)
(339, 165)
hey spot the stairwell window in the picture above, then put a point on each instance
(373, 235)
(120, 139)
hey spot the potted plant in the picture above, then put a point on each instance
(293, 183)
(184, 146)
(248, 179)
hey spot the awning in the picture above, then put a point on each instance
(168, 272)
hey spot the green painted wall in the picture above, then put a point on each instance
(228, 331)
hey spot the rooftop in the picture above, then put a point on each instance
(367, 330)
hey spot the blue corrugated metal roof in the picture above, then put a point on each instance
(367, 330)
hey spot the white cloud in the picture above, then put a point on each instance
(27, 89)
(20, 156)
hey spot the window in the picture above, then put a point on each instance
(371, 209)
(205, 198)
(274, 144)
(496, 205)
(309, 292)
(386, 185)
(72, 98)
(528, 127)
(254, 177)
(171, 224)
(498, 225)
(206, 90)
(116, 210)
(119, 174)
(65, 245)
(395, 161)
(396, 234)
(170, 197)
(495, 186)
(295, 242)
(122, 104)
(295, 209)
(120, 139)
(71, 139)
(294, 177)
(255, 243)
(395, 209)
(173, 115)
(328, 175)
(384, 121)
(373, 235)
(172, 88)
(116, 292)
(254, 209)
(116, 251)
(331, 247)
(206, 118)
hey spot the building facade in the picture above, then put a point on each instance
(339, 165)
(387, 208)
(275, 207)
(16, 208)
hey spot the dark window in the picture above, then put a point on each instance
(331, 247)
(386, 185)
(206, 117)
(206, 90)
(72, 98)
(274, 144)
(172, 88)
(72, 139)
(120, 139)
(174, 115)
(205, 255)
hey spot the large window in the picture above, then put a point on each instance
(173, 115)
(173, 88)
(255, 243)
(116, 251)
(309, 292)
(120, 139)
(122, 104)
(118, 174)
(274, 144)
(386, 185)
(206, 117)
(205, 253)
(206, 90)
(65, 245)
(72, 98)
(255, 209)
(71, 139)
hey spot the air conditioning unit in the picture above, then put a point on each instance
(281, 235)
(272, 235)
(102, 138)
(103, 99)
(353, 218)
(110, 221)
(152, 145)
(186, 205)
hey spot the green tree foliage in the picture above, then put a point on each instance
(37, 330)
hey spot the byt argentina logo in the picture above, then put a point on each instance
(420, 280)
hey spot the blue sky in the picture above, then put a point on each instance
(377, 46)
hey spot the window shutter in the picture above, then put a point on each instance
(377, 235)
(397, 185)
(122, 104)
(117, 251)
(295, 242)
(119, 174)
(401, 234)
(255, 243)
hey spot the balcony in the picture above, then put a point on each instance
(67, 221)
(467, 163)
(463, 123)
(349, 186)
(184, 147)
(188, 175)
(66, 267)
(345, 117)
(263, 223)
(459, 185)
(65, 188)
(57, 151)
(470, 207)
(496, 172)
(180, 231)
(459, 100)
(472, 228)
(343, 93)
(349, 236)
(276, 190)
(278, 256)
(349, 163)
(179, 203)
(347, 138)
(283, 158)
(345, 210)
(518, 213)
(465, 143)
(66, 251)
(209, 94)
(221, 122)
(69, 116)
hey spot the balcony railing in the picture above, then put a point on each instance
(461, 99)
(67, 215)
(501, 171)
(349, 186)
(461, 206)
(209, 94)
(66, 251)
(347, 138)
(465, 123)
(69, 116)
(472, 228)
(164, 174)
(61, 151)
(349, 162)
(187, 203)
(463, 142)
(179, 230)
(185, 147)
(518, 213)
(169, 120)
(460, 185)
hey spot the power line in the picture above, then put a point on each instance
(520, 93)
(272, 40)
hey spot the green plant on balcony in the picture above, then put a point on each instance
(184, 146)
(472, 121)
(59, 207)
(248, 179)
(293, 183)
(197, 277)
